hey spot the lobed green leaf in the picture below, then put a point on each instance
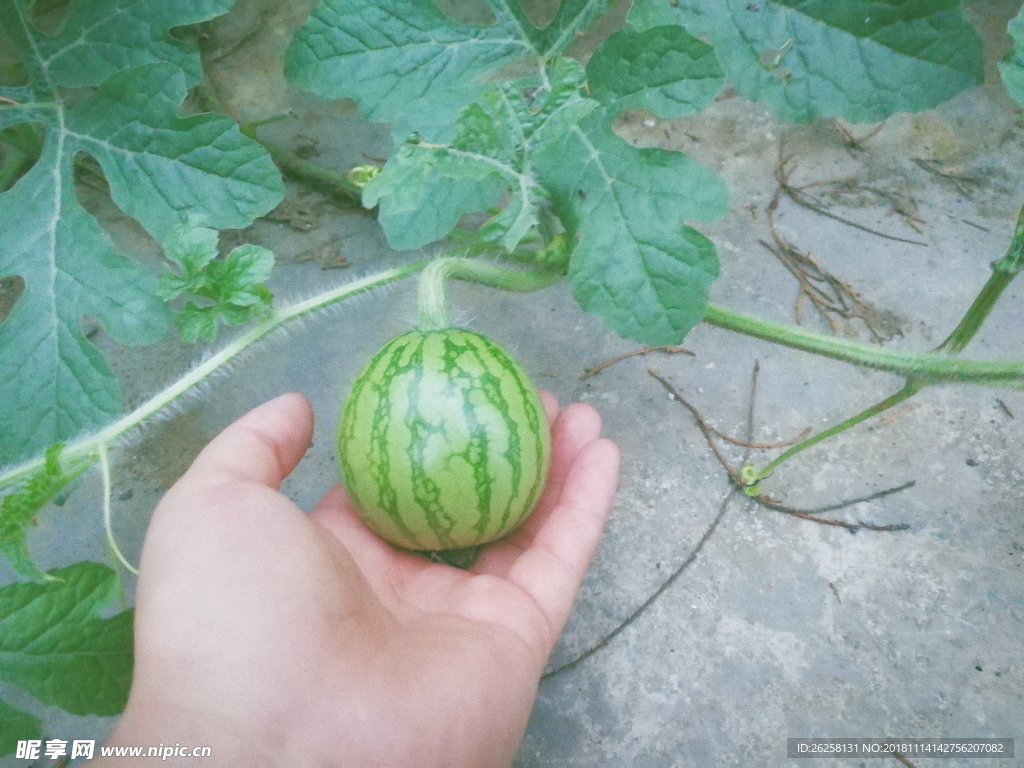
(665, 70)
(55, 646)
(635, 263)
(425, 189)
(539, 140)
(100, 38)
(162, 170)
(402, 61)
(191, 248)
(16, 725)
(572, 18)
(1012, 66)
(19, 508)
(230, 290)
(858, 59)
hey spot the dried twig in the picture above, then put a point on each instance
(812, 515)
(762, 446)
(774, 504)
(899, 756)
(654, 595)
(830, 296)
(642, 351)
(849, 140)
(704, 428)
(964, 184)
(901, 412)
(736, 486)
(689, 558)
(801, 198)
(1005, 408)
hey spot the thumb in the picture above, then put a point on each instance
(262, 447)
(231, 488)
(225, 510)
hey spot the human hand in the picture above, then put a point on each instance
(284, 639)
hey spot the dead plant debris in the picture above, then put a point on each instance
(852, 142)
(965, 185)
(836, 302)
(327, 255)
(642, 351)
(766, 501)
(800, 196)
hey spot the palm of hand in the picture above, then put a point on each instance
(306, 640)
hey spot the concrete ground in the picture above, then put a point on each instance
(780, 627)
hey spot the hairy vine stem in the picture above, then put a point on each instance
(89, 447)
(319, 175)
(935, 367)
(433, 307)
(920, 369)
(107, 523)
(1003, 272)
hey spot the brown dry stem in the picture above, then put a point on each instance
(836, 302)
(811, 515)
(799, 196)
(642, 351)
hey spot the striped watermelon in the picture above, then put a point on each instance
(443, 441)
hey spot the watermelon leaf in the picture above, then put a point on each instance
(19, 508)
(636, 264)
(402, 61)
(54, 645)
(1012, 66)
(572, 19)
(857, 59)
(162, 170)
(99, 38)
(15, 726)
(228, 290)
(425, 188)
(665, 70)
(406, 63)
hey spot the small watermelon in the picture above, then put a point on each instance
(443, 441)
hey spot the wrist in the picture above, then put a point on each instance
(179, 737)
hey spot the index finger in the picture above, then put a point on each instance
(552, 558)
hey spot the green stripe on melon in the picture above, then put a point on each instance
(443, 441)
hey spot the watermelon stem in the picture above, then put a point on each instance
(87, 448)
(433, 306)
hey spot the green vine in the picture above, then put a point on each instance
(932, 366)
(88, 448)
(433, 307)
(920, 371)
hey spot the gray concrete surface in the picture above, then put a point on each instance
(781, 627)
